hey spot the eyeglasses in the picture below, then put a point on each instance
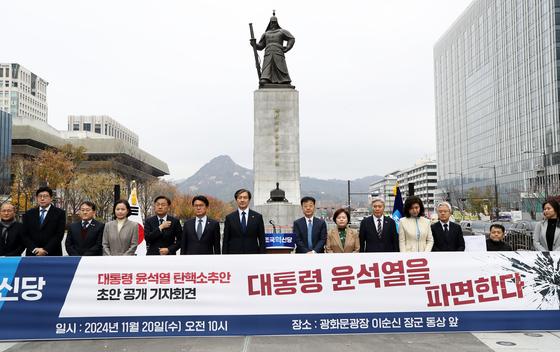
(44, 196)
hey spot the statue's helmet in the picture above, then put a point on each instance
(273, 23)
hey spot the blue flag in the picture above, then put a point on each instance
(398, 205)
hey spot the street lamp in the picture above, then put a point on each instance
(544, 168)
(495, 188)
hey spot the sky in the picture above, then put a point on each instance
(181, 74)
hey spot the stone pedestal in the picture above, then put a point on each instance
(276, 149)
(282, 214)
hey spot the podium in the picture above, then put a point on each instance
(280, 243)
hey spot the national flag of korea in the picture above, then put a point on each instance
(136, 216)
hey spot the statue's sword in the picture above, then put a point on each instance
(257, 63)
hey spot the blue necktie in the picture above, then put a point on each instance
(310, 234)
(243, 222)
(42, 217)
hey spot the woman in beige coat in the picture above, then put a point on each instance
(342, 239)
(120, 236)
(415, 232)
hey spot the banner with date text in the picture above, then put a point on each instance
(105, 297)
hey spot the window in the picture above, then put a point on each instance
(76, 127)
(87, 126)
(98, 128)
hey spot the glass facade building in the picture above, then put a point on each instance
(496, 95)
(5, 151)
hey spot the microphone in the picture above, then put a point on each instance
(273, 227)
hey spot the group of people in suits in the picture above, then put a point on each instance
(43, 227)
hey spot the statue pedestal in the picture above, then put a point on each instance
(281, 214)
(276, 148)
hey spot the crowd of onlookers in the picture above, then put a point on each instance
(42, 230)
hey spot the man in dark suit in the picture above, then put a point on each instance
(43, 226)
(84, 238)
(310, 231)
(378, 233)
(11, 243)
(448, 236)
(162, 231)
(244, 228)
(201, 235)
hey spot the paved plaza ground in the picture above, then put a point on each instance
(454, 342)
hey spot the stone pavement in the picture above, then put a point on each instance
(455, 342)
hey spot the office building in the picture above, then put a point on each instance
(424, 177)
(23, 93)
(103, 125)
(496, 95)
(384, 188)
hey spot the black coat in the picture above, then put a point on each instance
(169, 238)
(318, 235)
(453, 242)
(13, 246)
(48, 235)
(209, 242)
(89, 245)
(369, 242)
(238, 242)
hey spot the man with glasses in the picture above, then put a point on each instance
(43, 226)
(11, 244)
(201, 235)
(84, 237)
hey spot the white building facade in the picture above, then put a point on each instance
(102, 124)
(22, 93)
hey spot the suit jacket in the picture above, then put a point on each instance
(90, 245)
(209, 242)
(453, 242)
(408, 238)
(120, 243)
(318, 235)
(169, 238)
(236, 241)
(539, 236)
(369, 242)
(334, 244)
(13, 246)
(48, 235)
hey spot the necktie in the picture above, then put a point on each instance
(84, 225)
(160, 221)
(199, 229)
(379, 228)
(243, 222)
(42, 217)
(445, 230)
(4, 234)
(310, 234)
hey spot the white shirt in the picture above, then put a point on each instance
(307, 220)
(46, 212)
(444, 223)
(241, 215)
(204, 219)
(164, 218)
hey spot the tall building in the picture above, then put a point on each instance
(424, 176)
(22, 92)
(103, 125)
(5, 151)
(496, 97)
